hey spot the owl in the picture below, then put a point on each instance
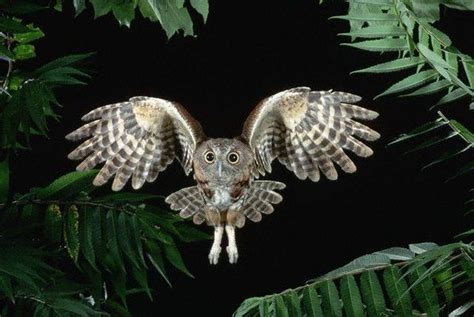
(307, 131)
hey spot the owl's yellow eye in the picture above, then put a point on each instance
(233, 158)
(209, 157)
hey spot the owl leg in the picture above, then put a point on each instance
(216, 245)
(232, 247)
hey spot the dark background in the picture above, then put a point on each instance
(246, 51)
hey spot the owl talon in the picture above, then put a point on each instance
(214, 255)
(233, 254)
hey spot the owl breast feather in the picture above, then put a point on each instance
(222, 198)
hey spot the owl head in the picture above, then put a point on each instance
(223, 160)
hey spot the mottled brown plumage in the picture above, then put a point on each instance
(307, 131)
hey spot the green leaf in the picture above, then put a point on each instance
(191, 234)
(6, 54)
(410, 82)
(311, 302)
(367, 17)
(433, 57)
(124, 12)
(175, 17)
(8, 25)
(6, 287)
(202, 7)
(24, 51)
(263, 308)
(431, 88)
(293, 304)
(423, 247)
(101, 7)
(71, 232)
(397, 253)
(64, 61)
(436, 34)
(155, 257)
(53, 224)
(376, 31)
(425, 293)
(124, 237)
(396, 286)
(392, 66)
(372, 294)
(430, 142)
(149, 9)
(469, 70)
(425, 128)
(68, 185)
(351, 297)
(173, 255)
(86, 224)
(4, 179)
(447, 155)
(34, 34)
(428, 10)
(279, 307)
(451, 96)
(330, 299)
(246, 306)
(111, 237)
(443, 278)
(79, 6)
(381, 45)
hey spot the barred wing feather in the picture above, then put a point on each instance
(136, 139)
(308, 131)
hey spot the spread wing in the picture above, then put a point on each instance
(308, 131)
(138, 139)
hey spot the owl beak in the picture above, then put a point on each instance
(219, 169)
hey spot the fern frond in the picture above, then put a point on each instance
(400, 281)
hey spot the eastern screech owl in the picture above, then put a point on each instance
(305, 130)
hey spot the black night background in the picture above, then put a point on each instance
(246, 51)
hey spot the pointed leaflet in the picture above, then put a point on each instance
(312, 302)
(411, 82)
(425, 293)
(423, 247)
(124, 12)
(201, 6)
(447, 155)
(293, 303)
(173, 255)
(111, 237)
(149, 9)
(433, 141)
(350, 295)
(425, 128)
(367, 17)
(397, 253)
(330, 299)
(155, 257)
(395, 286)
(376, 31)
(372, 294)
(71, 232)
(392, 66)
(174, 17)
(451, 96)
(124, 238)
(263, 308)
(381, 45)
(279, 307)
(68, 185)
(431, 88)
(53, 224)
(86, 224)
(433, 57)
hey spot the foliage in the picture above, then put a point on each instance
(106, 244)
(173, 15)
(405, 27)
(425, 279)
(106, 237)
(394, 282)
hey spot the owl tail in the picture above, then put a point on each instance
(259, 199)
(190, 203)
